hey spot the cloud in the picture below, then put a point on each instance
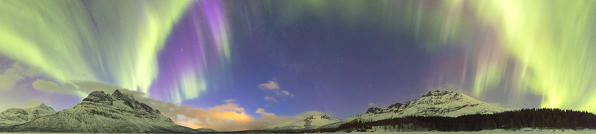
(273, 86)
(81, 88)
(285, 92)
(270, 85)
(228, 116)
(225, 117)
(260, 111)
(14, 74)
(230, 112)
(230, 101)
(265, 114)
(45, 85)
(269, 98)
(372, 104)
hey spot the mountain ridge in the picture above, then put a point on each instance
(444, 103)
(441, 103)
(106, 113)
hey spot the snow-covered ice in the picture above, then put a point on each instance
(497, 131)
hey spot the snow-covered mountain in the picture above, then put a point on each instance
(434, 103)
(15, 116)
(101, 112)
(309, 120)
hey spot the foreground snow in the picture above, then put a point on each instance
(434, 132)
(498, 131)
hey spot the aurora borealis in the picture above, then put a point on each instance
(288, 56)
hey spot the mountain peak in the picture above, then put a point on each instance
(127, 98)
(374, 109)
(118, 99)
(120, 96)
(440, 93)
(43, 107)
(98, 97)
(117, 93)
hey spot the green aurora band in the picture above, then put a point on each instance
(98, 40)
(553, 44)
(550, 44)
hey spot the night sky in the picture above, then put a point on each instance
(239, 63)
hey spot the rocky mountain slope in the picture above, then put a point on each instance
(434, 103)
(309, 120)
(101, 112)
(15, 116)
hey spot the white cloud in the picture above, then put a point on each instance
(45, 85)
(270, 85)
(269, 98)
(260, 111)
(285, 92)
(14, 74)
(81, 88)
(230, 101)
(264, 114)
(225, 117)
(273, 86)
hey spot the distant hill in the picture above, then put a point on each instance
(15, 116)
(309, 120)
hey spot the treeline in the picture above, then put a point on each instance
(525, 118)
